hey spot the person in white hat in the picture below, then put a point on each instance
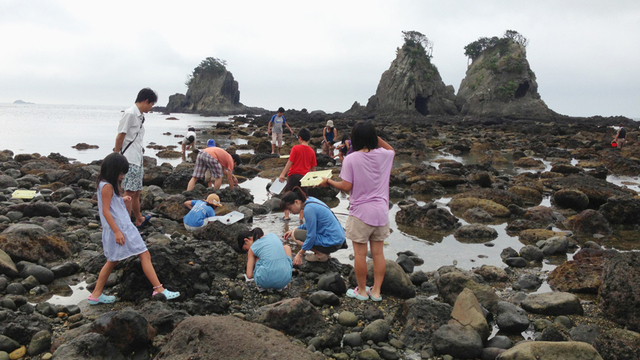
(200, 212)
(329, 134)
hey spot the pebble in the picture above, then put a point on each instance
(18, 353)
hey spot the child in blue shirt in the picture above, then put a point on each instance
(200, 212)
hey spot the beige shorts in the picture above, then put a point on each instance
(359, 232)
(276, 139)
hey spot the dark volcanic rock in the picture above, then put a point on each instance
(126, 329)
(396, 282)
(227, 337)
(588, 222)
(621, 210)
(296, 317)
(618, 344)
(583, 274)
(421, 317)
(89, 346)
(620, 291)
(428, 216)
(31, 243)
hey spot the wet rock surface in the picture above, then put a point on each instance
(54, 241)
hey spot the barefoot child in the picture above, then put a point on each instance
(120, 237)
(268, 261)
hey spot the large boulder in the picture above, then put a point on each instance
(468, 313)
(620, 291)
(413, 84)
(296, 317)
(227, 337)
(217, 231)
(428, 216)
(618, 344)
(510, 318)
(209, 259)
(571, 198)
(459, 341)
(460, 205)
(621, 210)
(451, 284)
(32, 243)
(582, 274)
(588, 222)
(173, 207)
(500, 83)
(548, 350)
(396, 282)
(127, 330)
(421, 317)
(553, 303)
(91, 346)
(597, 190)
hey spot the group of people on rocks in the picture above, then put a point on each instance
(364, 175)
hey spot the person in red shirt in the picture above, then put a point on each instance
(302, 159)
(219, 162)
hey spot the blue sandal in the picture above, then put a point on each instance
(353, 293)
(167, 293)
(146, 220)
(102, 299)
(373, 297)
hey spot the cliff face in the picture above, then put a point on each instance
(213, 91)
(500, 83)
(412, 84)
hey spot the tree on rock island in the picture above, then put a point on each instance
(413, 84)
(499, 81)
(211, 91)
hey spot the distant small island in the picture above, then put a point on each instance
(22, 102)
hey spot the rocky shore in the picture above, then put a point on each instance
(54, 240)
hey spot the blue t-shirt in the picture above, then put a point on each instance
(273, 268)
(323, 229)
(200, 210)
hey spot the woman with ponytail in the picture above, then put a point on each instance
(268, 261)
(321, 232)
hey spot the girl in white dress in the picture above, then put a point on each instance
(120, 237)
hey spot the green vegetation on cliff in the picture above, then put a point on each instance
(210, 65)
(474, 49)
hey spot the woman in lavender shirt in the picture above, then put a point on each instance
(365, 174)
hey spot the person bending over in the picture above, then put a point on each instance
(268, 260)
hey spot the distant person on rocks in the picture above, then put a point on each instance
(219, 162)
(120, 238)
(365, 175)
(321, 232)
(200, 212)
(189, 141)
(276, 136)
(329, 134)
(268, 261)
(302, 159)
(129, 142)
(344, 149)
(621, 135)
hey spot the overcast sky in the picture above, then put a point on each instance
(314, 55)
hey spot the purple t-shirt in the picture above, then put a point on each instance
(369, 200)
